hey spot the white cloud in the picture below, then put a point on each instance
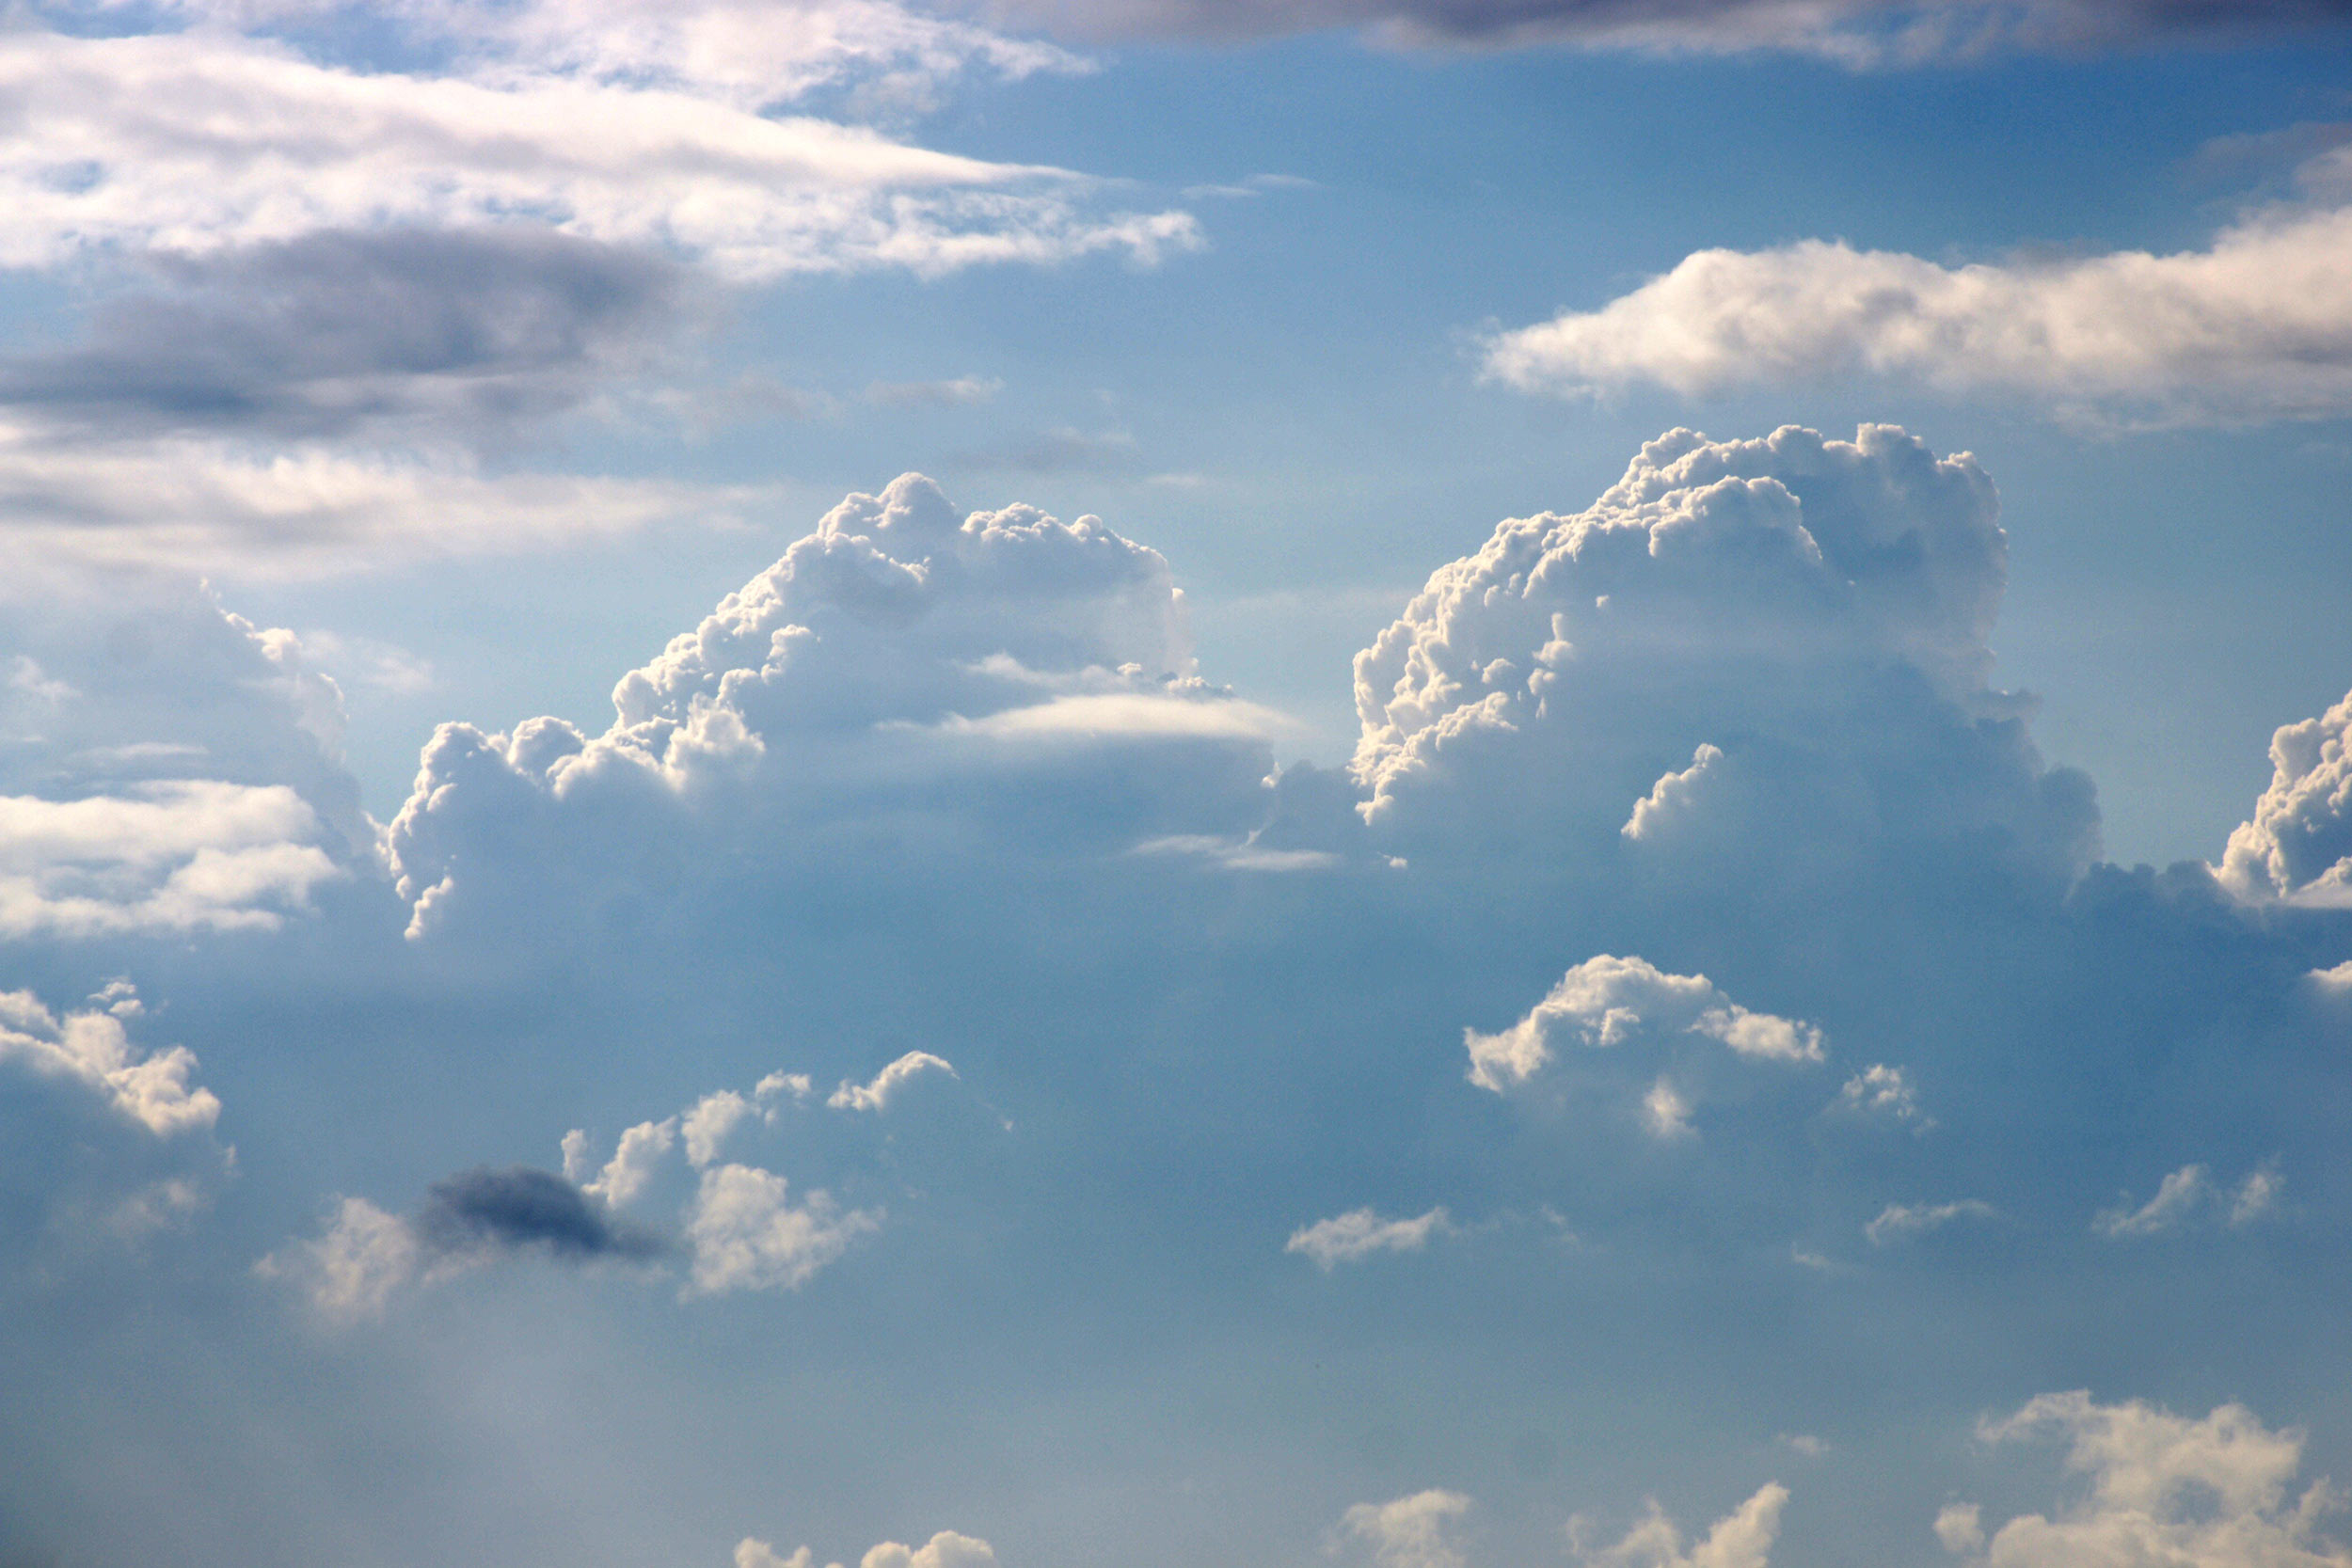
(1607, 1002)
(746, 1235)
(1900, 1221)
(634, 1162)
(313, 511)
(1885, 1091)
(2165, 1489)
(2177, 1196)
(1741, 1539)
(2335, 982)
(945, 1549)
(1805, 619)
(1958, 1526)
(2257, 325)
(195, 140)
(1351, 1237)
(2257, 1196)
(352, 1270)
(92, 1048)
(1415, 1531)
(709, 1123)
(2299, 844)
(876, 1095)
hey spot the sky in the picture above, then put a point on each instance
(1398, 783)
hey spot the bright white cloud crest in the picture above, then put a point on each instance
(2299, 844)
(1607, 1002)
(1351, 1237)
(92, 1047)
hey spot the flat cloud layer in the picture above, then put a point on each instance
(2258, 326)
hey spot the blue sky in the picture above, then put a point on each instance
(1588, 803)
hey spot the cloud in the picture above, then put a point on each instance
(486, 1210)
(1803, 620)
(122, 143)
(2188, 1195)
(1607, 1002)
(747, 1235)
(175, 855)
(1862, 34)
(945, 1549)
(979, 675)
(1881, 1090)
(1351, 1237)
(876, 1094)
(2258, 326)
(1741, 1539)
(91, 1047)
(2297, 846)
(1899, 1222)
(2211, 1492)
(1415, 1531)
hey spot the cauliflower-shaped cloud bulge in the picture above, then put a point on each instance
(897, 665)
(2299, 845)
(1786, 633)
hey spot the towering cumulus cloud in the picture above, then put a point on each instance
(1745, 650)
(899, 672)
(2298, 844)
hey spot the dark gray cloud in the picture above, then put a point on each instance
(1864, 32)
(462, 333)
(488, 1209)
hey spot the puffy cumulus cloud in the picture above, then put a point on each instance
(1741, 1539)
(1856, 33)
(898, 666)
(2210, 1493)
(2190, 1194)
(1351, 1237)
(2299, 844)
(1608, 1002)
(197, 140)
(945, 1549)
(1881, 1090)
(91, 1047)
(876, 1095)
(748, 1235)
(2256, 325)
(1803, 619)
(1900, 1222)
(1417, 1531)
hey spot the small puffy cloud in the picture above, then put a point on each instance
(1899, 1222)
(1351, 1237)
(2257, 325)
(709, 1123)
(91, 1047)
(1881, 1090)
(1672, 798)
(747, 1235)
(634, 1160)
(945, 1549)
(1607, 1002)
(2210, 1493)
(173, 855)
(876, 1094)
(1741, 1539)
(2334, 983)
(2190, 1194)
(1958, 1526)
(354, 1268)
(2297, 846)
(1415, 1531)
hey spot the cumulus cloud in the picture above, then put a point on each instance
(1899, 1222)
(2210, 1493)
(1871, 34)
(898, 661)
(1415, 1531)
(876, 1094)
(945, 1549)
(748, 1235)
(1741, 1539)
(1835, 713)
(1607, 1002)
(2256, 325)
(2297, 846)
(1351, 1237)
(91, 1047)
(1881, 1090)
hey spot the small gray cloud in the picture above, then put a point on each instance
(456, 333)
(488, 1209)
